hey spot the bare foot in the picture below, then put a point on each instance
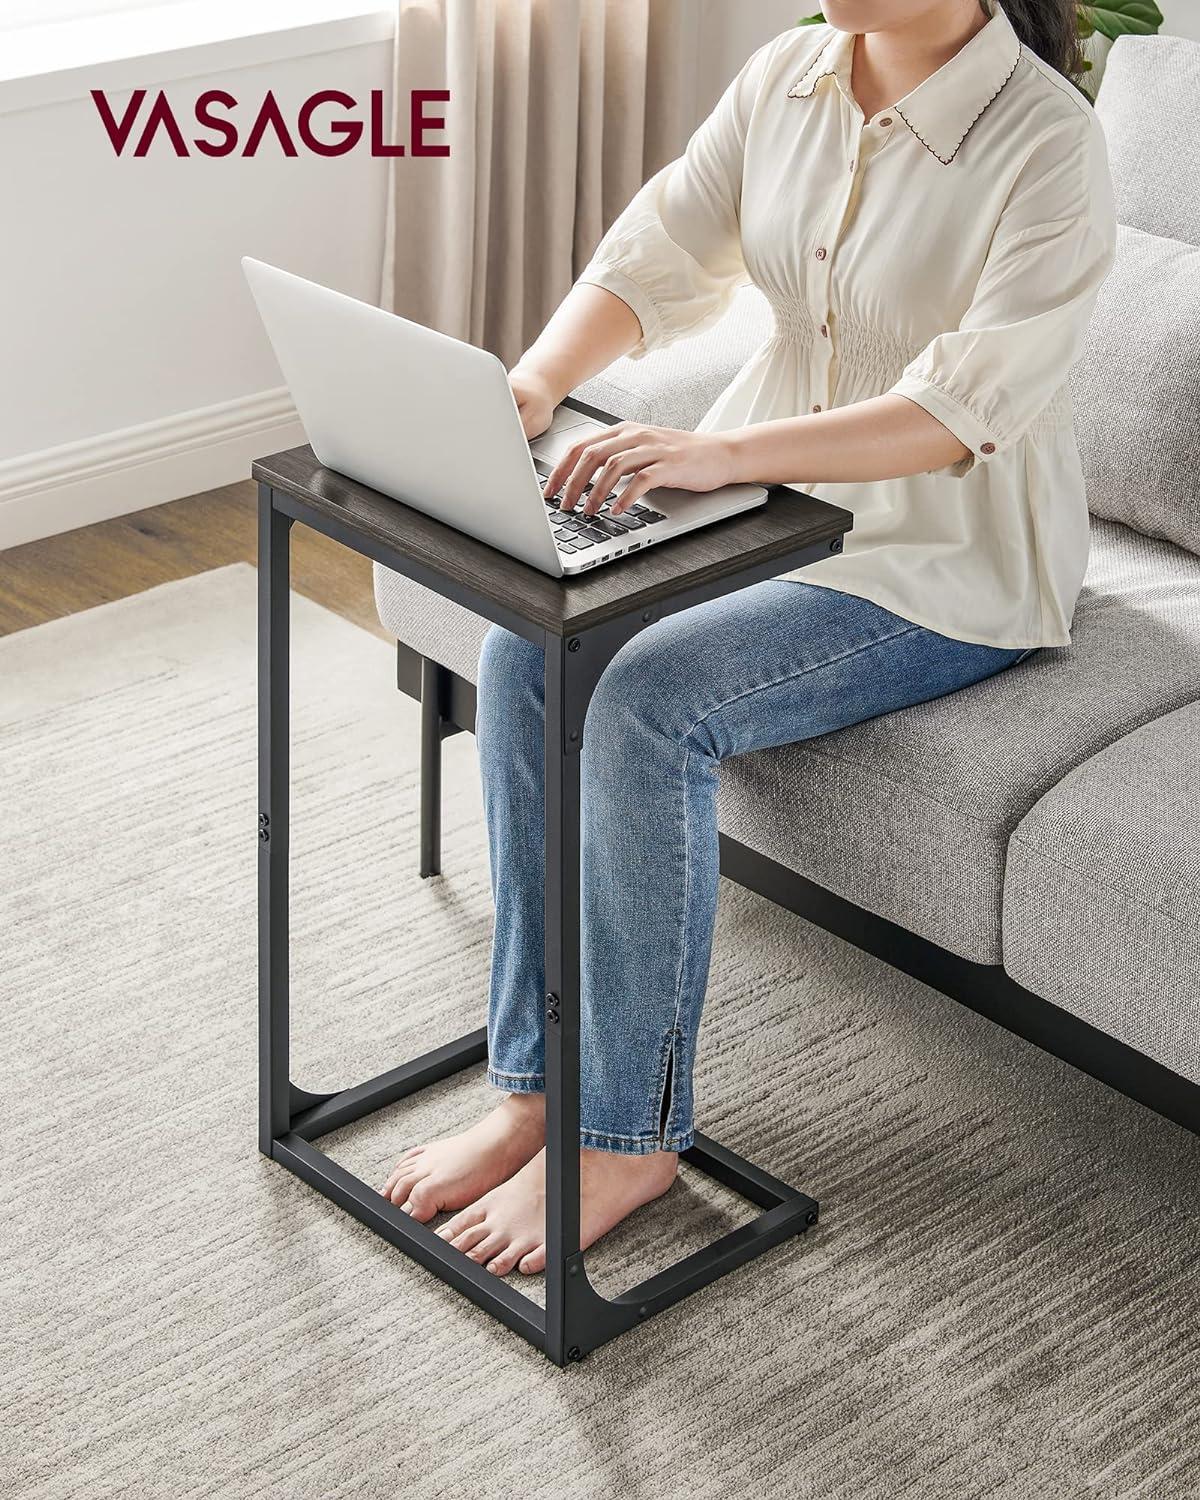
(507, 1226)
(451, 1173)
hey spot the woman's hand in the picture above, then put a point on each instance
(655, 457)
(536, 401)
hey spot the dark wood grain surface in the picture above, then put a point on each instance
(789, 522)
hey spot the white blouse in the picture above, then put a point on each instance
(948, 249)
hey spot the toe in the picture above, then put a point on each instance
(489, 1246)
(469, 1217)
(399, 1169)
(422, 1203)
(469, 1238)
(502, 1264)
(401, 1188)
(534, 1262)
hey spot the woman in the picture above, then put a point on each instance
(924, 198)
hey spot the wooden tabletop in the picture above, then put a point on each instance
(789, 522)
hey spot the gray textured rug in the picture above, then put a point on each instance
(1003, 1298)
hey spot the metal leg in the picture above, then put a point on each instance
(432, 677)
(274, 529)
(562, 1001)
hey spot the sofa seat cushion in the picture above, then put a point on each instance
(438, 628)
(910, 814)
(1102, 894)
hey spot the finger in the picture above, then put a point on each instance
(613, 472)
(561, 470)
(570, 460)
(593, 458)
(650, 478)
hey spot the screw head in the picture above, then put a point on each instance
(836, 544)
(574, 1354)
(810, 1218)
(647, 617)
(573, 645)
(573, 736)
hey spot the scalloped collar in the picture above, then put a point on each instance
(942, 108)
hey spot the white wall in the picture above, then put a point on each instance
(135, 369)
(730, 31)
(1181, 17)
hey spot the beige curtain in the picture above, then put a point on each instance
(559, 111)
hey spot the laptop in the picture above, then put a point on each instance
(432, 422)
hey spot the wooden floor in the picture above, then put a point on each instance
(97, 564)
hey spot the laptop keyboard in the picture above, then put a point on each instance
(575, 532)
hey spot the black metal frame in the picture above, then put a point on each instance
(576, 1318)
(987, 989)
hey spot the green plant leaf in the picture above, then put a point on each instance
(817, 20)
(1114, 18)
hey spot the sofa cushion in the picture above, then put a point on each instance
(1102, 894)
(1147, 106)
(910, 814)
(1136, 390)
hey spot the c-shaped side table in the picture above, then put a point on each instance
(580, 624)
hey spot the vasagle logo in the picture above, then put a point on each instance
(228, 130)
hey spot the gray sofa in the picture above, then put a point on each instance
(1030, 845)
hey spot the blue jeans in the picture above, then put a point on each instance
(776, 663)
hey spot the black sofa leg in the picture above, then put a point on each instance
(432, 729)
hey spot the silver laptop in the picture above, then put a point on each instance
(433, 422)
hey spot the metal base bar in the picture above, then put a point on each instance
(371, 1208)
(593, 1320)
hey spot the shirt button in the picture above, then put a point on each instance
(886, 120)
(987, 447)
(821, 253)
(824, 330)
(816, 408)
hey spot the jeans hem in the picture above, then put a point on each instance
(635, 1145)
(517, 1083)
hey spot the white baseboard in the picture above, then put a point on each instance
(42, 494)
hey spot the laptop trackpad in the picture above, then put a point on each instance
(568, 428)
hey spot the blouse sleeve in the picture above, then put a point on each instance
(675, 254)
(1028, 317)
